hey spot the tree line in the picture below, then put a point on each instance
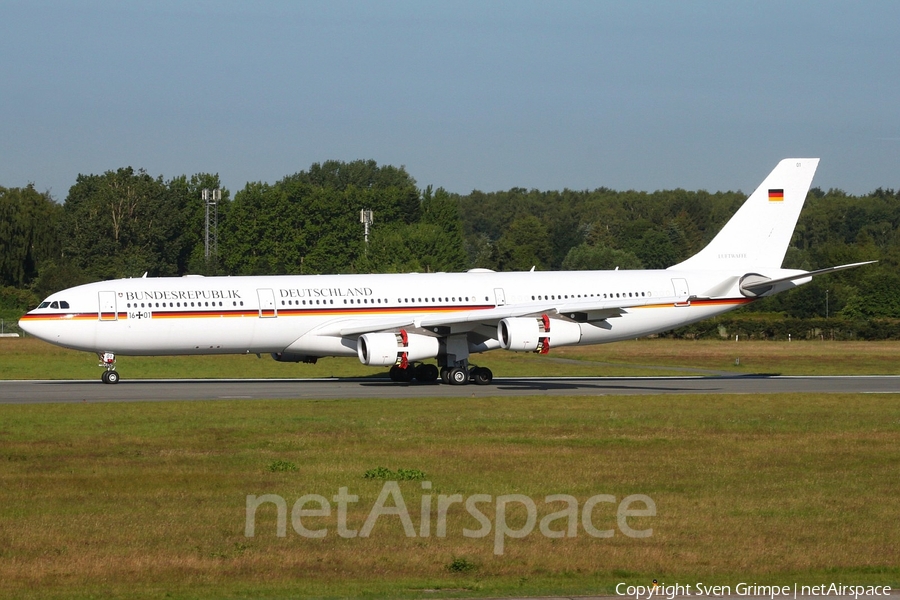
(125, 223)
(605, 229)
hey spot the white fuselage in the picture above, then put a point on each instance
(323, 315)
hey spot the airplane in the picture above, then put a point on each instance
(401, 320)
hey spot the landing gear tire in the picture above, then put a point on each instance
(482, 375)
(426, 373)
(445, 375)
(110, 377)
(458, 376)
(401, 375)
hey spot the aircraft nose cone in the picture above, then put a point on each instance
(31, 326)
(23, 325)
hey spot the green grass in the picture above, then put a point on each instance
(29, 358)
(148, 499)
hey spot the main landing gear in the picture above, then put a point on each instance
(425, 373)
(421, 372)
(462, 376)
(108, 361)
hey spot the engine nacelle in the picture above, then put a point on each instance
(529, 334)
(385, 349)
(519, 334)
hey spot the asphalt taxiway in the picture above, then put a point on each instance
(138, 390)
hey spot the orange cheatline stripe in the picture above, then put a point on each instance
(299, 312)
(61, 317)
(287, 312)
(719, 302)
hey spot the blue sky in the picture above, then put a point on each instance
(467, 95)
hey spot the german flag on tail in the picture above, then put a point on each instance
(776, 195)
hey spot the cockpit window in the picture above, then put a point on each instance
(55, 304)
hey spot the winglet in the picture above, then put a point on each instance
(758, 234)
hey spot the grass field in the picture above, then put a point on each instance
(149, 499)
(28, 358)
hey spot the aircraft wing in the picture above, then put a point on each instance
(586, 309)
(573, 309)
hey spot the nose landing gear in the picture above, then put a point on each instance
(108, 361)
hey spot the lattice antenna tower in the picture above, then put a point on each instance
(211, 198)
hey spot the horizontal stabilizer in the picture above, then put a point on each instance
(753, 285)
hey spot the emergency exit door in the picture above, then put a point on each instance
(682, 293)
(500, 297)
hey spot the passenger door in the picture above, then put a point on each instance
(108, 311)
(267, 308)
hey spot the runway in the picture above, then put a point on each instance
(144, 390)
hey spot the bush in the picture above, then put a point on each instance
(461, 565)
(280, 466)
(385, 474)
(379, 473)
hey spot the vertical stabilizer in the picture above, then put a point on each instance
(758, 234)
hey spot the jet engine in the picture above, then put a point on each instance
(530, 334)
(385, 349)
